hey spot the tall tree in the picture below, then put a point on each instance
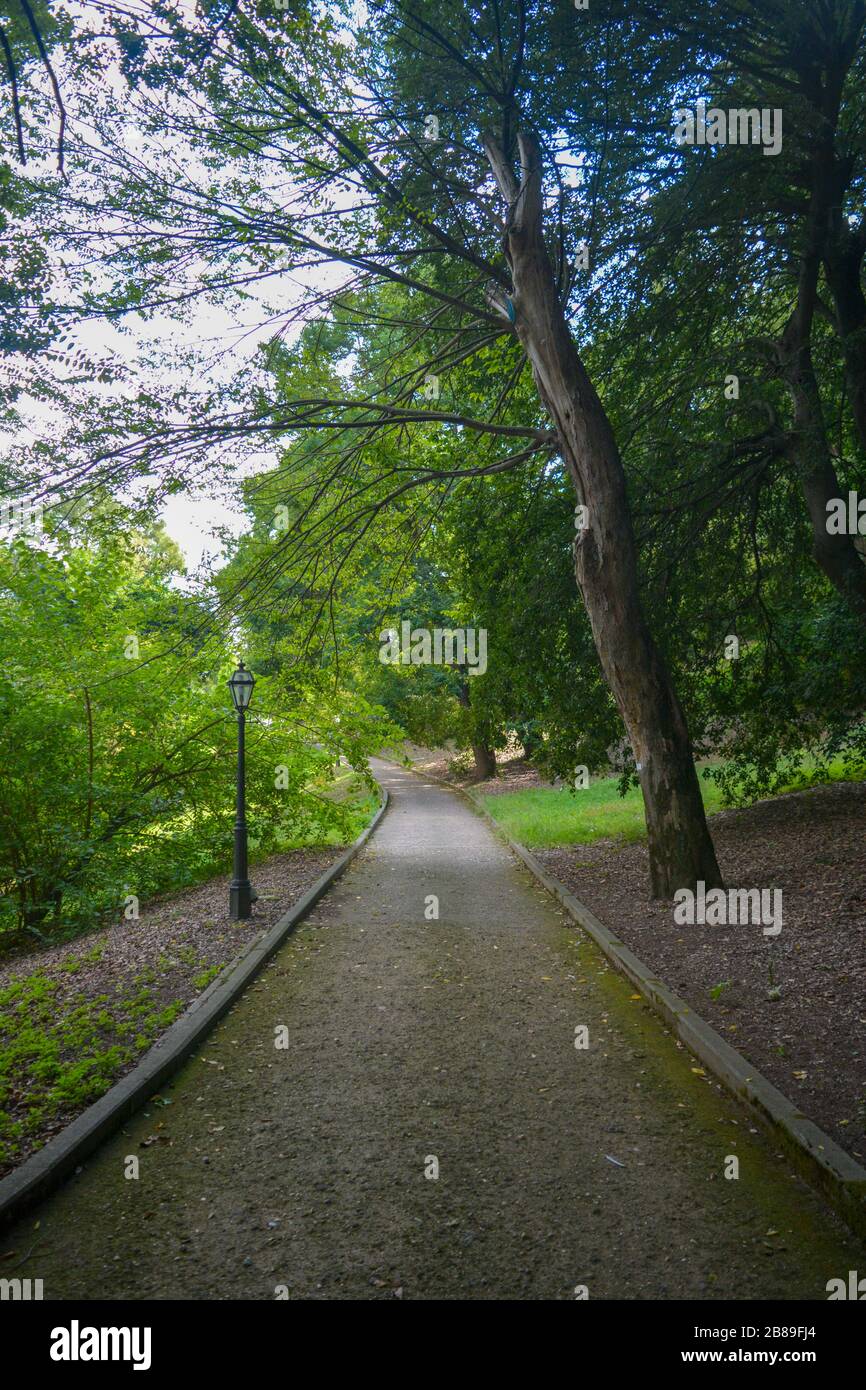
(401, 195)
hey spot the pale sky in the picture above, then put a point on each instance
(223, 339)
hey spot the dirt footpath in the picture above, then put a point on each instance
(416, 1044)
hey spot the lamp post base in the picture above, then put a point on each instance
(241, 898)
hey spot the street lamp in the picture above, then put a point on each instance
(241, 895)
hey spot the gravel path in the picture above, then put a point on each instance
(303, 1169)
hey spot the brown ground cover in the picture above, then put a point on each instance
(794, 1005)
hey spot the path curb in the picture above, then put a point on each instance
(45, 1170)
(816, 1157)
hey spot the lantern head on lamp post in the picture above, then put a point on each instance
(241, 685)
(241, 895)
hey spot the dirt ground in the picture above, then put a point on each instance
(513, 772)
(434, 1128)
(794, 1005)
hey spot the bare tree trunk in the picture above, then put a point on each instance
(485, 761)
(837, 555)
(485, 757)
(681, 850)
(844, 264)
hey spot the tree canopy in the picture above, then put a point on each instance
(524, 363)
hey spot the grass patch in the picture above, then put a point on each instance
(203, 980)
(546, 817)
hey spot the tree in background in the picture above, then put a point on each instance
(117, 736)
(477, 224)
(512, 224)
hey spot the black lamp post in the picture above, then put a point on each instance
(241, 895)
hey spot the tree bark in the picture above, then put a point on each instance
(485, 761)
(843, 264)
(837, 555)
(485, 757)
(680, 848)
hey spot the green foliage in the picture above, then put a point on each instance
(376, 510)
(118, 740)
